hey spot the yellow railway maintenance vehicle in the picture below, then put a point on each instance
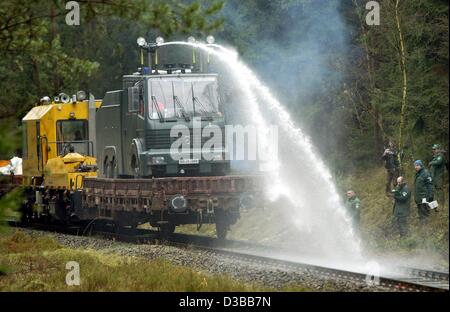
(58, 152)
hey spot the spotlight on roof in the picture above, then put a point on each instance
(141, 42)
(81, 96)
(64, 98)
(210, 39)
(45, 100)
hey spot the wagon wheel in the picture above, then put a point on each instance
(166, 230)
(221, 230)
(222, 224)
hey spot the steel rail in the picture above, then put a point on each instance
(401, 282)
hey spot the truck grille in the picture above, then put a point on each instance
(158, 139)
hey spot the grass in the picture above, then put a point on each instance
(38, 264)
(205, 230)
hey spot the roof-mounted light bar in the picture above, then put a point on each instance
(152, 55)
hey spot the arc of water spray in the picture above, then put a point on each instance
(252, 83)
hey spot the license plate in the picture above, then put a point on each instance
(188, 161)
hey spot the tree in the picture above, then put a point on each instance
(400, 75)
(41, 55)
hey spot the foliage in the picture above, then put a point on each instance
(424, 27)
(8, 204)
(342, 79)
(41, 55)
(10, 138)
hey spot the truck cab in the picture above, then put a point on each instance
(167, 123)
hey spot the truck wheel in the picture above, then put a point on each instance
(26, 213)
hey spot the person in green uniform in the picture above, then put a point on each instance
(354, 208)
(402, 202)
(392, 165)
(423, 190)
(436, 166)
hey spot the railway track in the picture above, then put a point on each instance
(405, 279)
(436, 279)
(402, 279)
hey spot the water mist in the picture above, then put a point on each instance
(318, 223)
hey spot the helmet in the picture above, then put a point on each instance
(436, 146)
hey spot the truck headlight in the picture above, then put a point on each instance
(158, 160)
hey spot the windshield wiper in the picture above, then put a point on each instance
(196, 100)
(206, 115)
(183, 111)
(203, 110)
(155, 103)
(177, 102)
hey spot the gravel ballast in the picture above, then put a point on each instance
(210, 262)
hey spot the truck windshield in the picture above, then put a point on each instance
(182, 97)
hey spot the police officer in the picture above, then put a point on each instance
(402, 202)
(423, 190)
(392, 166)
(436, 166)
(354, 208)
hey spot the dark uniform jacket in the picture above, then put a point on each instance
(390, 158)
(402, 197)
(437, 166)
(354, 206)
(423, 186)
